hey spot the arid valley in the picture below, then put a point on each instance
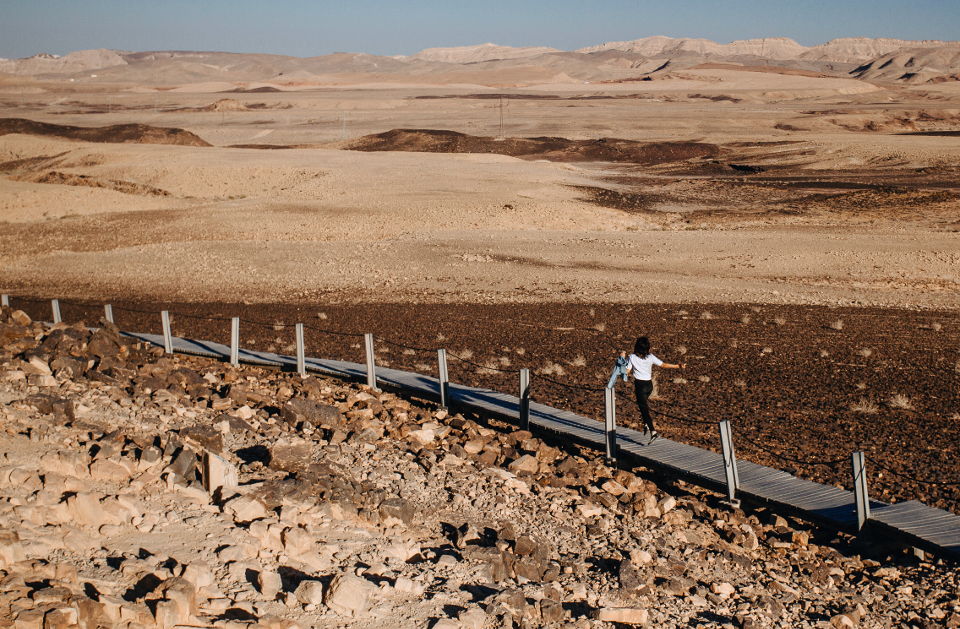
(783, 219)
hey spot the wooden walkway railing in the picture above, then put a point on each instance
(910, 522)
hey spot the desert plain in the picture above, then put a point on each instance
(786, 225)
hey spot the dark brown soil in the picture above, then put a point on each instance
(115, 134)
(783, 374)
(555, 149)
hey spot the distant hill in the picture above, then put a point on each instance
(482, 52)
(493, 65)
(913, 65)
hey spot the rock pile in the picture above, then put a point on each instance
(140, 489)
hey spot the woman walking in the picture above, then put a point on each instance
(641, 363)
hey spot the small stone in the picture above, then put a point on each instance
(309, 592)
(349, 595)
(245, 509)
(527, 464)
(623, 615)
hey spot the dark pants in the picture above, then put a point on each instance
(643, 389)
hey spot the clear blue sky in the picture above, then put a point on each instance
(307, 28)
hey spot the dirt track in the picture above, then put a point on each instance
(784, 375)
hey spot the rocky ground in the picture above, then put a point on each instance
(140, 489)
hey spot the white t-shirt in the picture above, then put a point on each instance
(642, 368)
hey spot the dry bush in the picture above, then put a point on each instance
(552, 369)
(836, 325)
(679, 381)
(465, 353)
(779, 321)
(955, 417)
(423, 367)
(681, 349)
(740, 383)
(935, 326)
(824, 353)
(489, 367)
(441, 338)
(322, 316)
(703, 379)
(356, 345)
(278, 325)
(901, 402)
(861, 386)
(682, 313)
(956, 367)
(600, 327)
(706, 314)
(865, 406)
(745, 319)
(593, 312)
(755, 309)
(866, 352)
(409, 352)
(734, 343)
(504, 361)
(766, 350)
(290, 348)
(520, 351)
(578, 361)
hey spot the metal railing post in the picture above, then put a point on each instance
(371, 361)
(55, 307)
(5, 300)
(108, 313)
(729, 461)
(444, 377)
(524, 417)
(235, 341)
(301, 352)
(860, 494)
(167, 336)
(610, 425)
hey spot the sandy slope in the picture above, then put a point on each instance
(311, 223)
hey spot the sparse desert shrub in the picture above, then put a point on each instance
(824, 353)
(489, 367)
(409, 352)
(861, 385)
(734, 343)
(278, 325)
(578, 361)
(600, 327)
(935, 326)
(679, 381)
(866, 352)
(865, 406)
(441, 338)
(740, 383)
(745, 319)
(423, 367)
(356, 345)
(703, 379)
(955, 417)
(681, 349)
(520, 351)
(290, 348)
(766, 350)
(836, 325)
(504, 361)
(465, 353)
(956, 367)
(755, 309)
(706, 314)
(593, 312)
(901, 402)
(322, 316)
(778, 321)
(552, 369)
(682, 313)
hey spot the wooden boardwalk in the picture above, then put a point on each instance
(910, 522)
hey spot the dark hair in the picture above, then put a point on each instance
(642, 347)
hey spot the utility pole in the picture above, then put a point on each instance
(501, 117)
